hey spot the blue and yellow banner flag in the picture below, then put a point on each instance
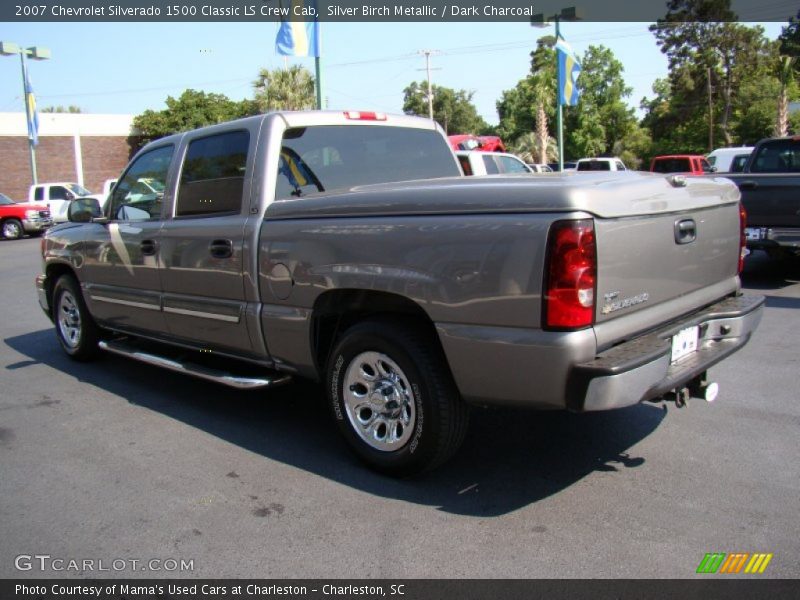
(299, 32)
(568, 70)
(32, 115)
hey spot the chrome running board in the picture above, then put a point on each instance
(223, 377)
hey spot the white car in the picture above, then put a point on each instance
(58, 195)
(474, 162)
(722, 158)
(539, 168)
(600, 164)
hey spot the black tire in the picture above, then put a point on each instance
(422, 419)
(76, 331)
(12, 229)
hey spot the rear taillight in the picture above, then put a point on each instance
(571, 275)
(742, 236)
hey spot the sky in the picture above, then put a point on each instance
(127, 68)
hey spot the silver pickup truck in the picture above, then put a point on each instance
(347, 248)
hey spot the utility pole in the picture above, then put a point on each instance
(428, 69)
(710, 112)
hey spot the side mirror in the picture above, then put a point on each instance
(83, 210)
(714, 169)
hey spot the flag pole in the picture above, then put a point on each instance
(28, 115)
(560, 114)
(318, 64)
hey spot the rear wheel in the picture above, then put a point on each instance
(12, 229)
(393, 397)
(75, 329)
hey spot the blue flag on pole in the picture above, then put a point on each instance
(568, 70)
(31, 114)
(299, 37)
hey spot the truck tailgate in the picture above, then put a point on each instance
(650, 261)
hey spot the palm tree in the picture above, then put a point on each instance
(785, 73)
(527, 147)
(285, 89)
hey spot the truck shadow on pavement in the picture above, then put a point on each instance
(509, 460)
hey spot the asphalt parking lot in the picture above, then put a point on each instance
(116, 460)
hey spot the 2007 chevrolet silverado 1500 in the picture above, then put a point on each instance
(296, 244)
(770, 187)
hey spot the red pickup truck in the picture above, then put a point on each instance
(681, 163)
(17, 219)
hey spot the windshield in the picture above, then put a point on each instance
(77, 190)
(5, 200)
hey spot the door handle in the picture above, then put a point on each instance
(685, 231)
(748, 185)
(148, 247)
(221, 248)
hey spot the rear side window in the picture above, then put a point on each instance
(337, 157)
(38, 193)
(212, 179)
(465, 166)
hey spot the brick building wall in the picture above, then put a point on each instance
(103, 157)
(104, 150)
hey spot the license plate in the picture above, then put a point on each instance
(684, 343)
(753, 233)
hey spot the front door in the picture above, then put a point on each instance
(121, 266)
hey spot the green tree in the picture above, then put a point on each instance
(285, 89)
(531, 104)
(191, 110)
(452, 109)
(602, 119)
(706, 51)
(600, 122)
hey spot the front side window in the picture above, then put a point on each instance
(491, 166)
(59, 192)
(511, 165)
(140, 192)
(212, 179)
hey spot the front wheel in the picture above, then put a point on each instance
(75, 329)
(393, 397)
(12, 229)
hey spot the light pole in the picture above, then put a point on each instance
(36, 53)
(566, 14)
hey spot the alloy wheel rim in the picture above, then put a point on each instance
(69, 320)
(11, 230)
(379, 401)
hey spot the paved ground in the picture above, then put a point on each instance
(117, 460)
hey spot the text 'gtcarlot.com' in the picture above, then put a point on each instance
(46, 562)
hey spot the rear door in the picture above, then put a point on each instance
(202, 241)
